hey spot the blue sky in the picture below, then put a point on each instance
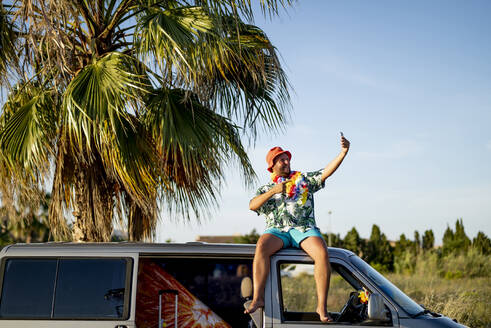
(409, 84)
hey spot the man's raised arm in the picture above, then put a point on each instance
(334, 164)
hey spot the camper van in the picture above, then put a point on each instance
(143, 285)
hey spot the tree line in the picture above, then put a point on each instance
(402, 254)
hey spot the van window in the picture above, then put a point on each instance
(208, 291)
(90, 288)
(299, 291)
(65, 288)
(28, 287)
(298, 297)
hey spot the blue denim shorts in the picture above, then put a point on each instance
(293, 237)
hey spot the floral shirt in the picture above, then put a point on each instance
(285, 213)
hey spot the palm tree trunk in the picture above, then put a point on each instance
(93, 205)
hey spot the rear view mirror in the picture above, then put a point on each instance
(376, 308)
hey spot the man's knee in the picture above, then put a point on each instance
(320, 255)
(266, 246)
(322, 258)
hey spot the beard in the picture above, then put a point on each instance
(285, 171)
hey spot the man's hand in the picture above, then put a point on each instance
(280, 188)
(258, 201)
(334, 164)
(344, 144)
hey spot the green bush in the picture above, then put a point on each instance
(405, 263)
(472, 264)
(469, 265)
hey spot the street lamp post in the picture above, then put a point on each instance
(329, 232)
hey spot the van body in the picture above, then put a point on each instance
(143, 285)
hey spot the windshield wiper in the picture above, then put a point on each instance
(426, 311)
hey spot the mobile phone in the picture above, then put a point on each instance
(342, 135)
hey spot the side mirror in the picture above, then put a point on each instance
(246, 293)
(246, 288)
(376, 308)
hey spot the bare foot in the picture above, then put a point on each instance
(324, 315)
(254, 306)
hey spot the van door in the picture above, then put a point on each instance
(66, 291)
(295, 299)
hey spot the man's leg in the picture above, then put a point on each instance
(316, 248)
(267, 245)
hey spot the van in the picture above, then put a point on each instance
(144, 285)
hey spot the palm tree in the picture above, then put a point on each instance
(125, 108)
(30, 226)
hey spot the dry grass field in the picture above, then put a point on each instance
(466, 300)
(456, 286)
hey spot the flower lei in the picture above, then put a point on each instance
(296, 189)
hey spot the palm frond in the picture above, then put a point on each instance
(99, 97)
(195, 144)
(28, 126)
(8, 37)
(232, 66)
(244, 8)
(139, 224)
(61, 192)
(166, 34)
(28, 129)
(241, 76)
(129, 159)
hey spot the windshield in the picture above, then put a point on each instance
(387, 287)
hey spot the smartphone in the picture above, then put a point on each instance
(342, 135)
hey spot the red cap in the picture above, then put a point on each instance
(273, 153)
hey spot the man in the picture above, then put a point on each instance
(288, 204)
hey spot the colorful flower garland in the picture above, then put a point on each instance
(296, 189)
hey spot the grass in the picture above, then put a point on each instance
(464, 299)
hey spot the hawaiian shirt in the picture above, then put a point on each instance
(285, 213)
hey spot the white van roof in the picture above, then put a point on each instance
(190, 248)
